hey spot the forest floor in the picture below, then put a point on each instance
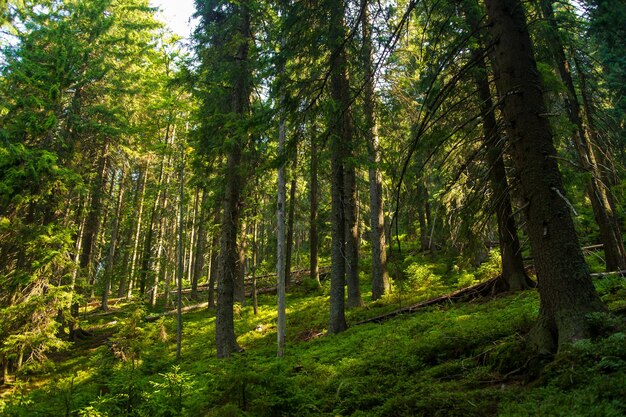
(456, 359)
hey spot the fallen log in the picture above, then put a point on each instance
(621, 273)
(489, 287)
(155, 317)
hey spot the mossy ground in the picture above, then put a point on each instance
(466, 359)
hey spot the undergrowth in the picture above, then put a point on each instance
(467, 359)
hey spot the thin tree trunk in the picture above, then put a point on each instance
(240, 284)
(134, 260)
(290, 219)
(421, 214)
(215, 259)
(313, 238)
(179, 273)
(90, 232)
(108, 272)
(193, 238)
(198, 265)
(352, 237)
(566, 292)
(255, 264)
(161, 254)
(146, 261)
(380, 276)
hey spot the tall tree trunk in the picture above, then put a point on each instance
(134, 260)
(147, 258)
(313, 238)
(566, 292)
(193, 238)
(214, 269)
(179, 271)
(240, 282)
(90, 233)
(340, 143)
(597, 192)
(161, 253)
(108, 272)
(198, 264)
(352, 236)
(380, 276)
(513, 273)
(225, 338)
(422, 201)
(290, 219)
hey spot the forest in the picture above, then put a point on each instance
(313, 208)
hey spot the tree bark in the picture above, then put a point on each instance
(341, 136)
(137, 234)
(610, 233)
(566, 292)
(290, 220)
(514, 275)
(352, 237)
(108, 272)
(198, 264)
(240, 287)
(313, 198)
(380, 276)
(225, 338)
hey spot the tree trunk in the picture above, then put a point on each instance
(146, 261)
(290, 219)
(597, 192)
(108, 272)
(566, 292)
(380, 277)
(240, 284)
(341, 137)
(179, 271)
(513, 273)
(352, 237)
(198, 264)
(90, 233)
(134, 260)
(214, 270)
(225, 338)
(313, 238)
(422, 197)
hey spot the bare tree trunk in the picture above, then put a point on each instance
(108, 272)
(566, 292)
(134, 260)
(147, 258)
(352, 237)
(240, 282)
(198, 265)
(422, 196)
(193, 237)
(380, 277)
(179, 273)
(214, 270)
(313, 238)
(290, 219)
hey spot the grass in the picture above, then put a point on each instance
(467, 359)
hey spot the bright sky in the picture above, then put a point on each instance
(176, 13)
